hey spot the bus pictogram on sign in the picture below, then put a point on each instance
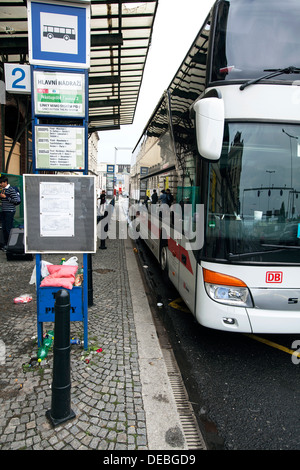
(59, 32)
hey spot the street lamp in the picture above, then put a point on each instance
(270, 172)
(291, 137)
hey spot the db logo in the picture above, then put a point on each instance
(274, 276)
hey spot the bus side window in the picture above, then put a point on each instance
(188, 219)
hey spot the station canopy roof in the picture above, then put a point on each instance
(120, 38)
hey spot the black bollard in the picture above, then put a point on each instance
(102, 244)
(104, 229)
(61, 381)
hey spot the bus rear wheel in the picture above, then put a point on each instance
(164, 258)
(164, 265)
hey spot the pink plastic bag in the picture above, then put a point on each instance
(62, 270)
(60, 276)
(65, 282)
(23, 299)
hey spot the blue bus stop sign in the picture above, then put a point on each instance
(59, 34)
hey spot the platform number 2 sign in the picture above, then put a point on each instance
(17, 78)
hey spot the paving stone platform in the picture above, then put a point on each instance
(113, 392)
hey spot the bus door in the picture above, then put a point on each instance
(187, 265)
(187, 276)
(173, 260)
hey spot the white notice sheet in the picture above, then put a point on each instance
(57, 209)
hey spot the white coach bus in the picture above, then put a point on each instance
(225, 139)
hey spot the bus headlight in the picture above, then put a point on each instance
(226, 289)
(238, 296)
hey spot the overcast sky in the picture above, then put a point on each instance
(176, 26)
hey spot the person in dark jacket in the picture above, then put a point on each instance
(9, 200)
(102, 202)
(170, 197)
(102, 197)
(154, 197)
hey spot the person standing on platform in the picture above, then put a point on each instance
(170, 198)
(163, 197)
(154, 197)
(102, 201)
(9, 200)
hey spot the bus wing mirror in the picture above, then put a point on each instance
(209, 114)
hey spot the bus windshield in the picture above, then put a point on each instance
(242, 46)
(253, 210)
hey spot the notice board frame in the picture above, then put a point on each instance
(84, 217)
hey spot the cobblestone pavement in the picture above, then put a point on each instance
(106, 394)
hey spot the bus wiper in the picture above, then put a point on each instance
(286, 247)
(257, 253)
(254, 253)
(273, 73)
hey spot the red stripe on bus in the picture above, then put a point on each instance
(181, 254)
(177, 250)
